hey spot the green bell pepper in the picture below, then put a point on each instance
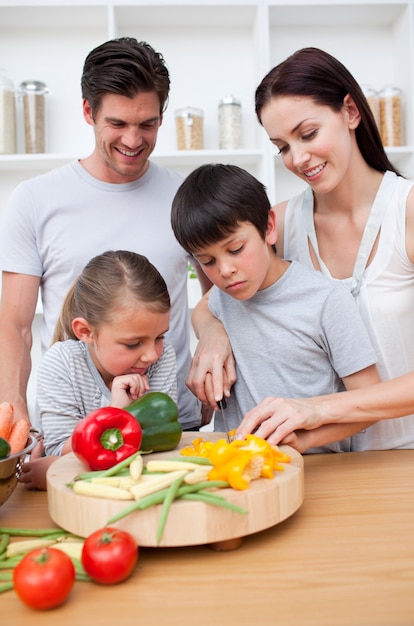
(157, 414)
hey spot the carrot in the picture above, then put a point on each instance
(6, 419)
(18, 435)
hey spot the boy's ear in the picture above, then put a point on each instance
(82, 330)
(271, 232)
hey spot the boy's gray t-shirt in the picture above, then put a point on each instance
(297, 338)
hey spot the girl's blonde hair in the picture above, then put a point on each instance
(111, 281)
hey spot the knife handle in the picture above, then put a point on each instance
(222, 403)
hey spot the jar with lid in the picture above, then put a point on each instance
(391, 122)
(7, 115)
(373, 101)
(33, 94)
(230, 123)
(190, 128)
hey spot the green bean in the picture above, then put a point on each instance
(11, 562)
(215, 500)
(168, 500)
(205, 484)
(125, 463)
(143, 503)
(79, 569)
(6, 576)
(31, 532)
(99, 474)
(201, 460)
(111, 471)
(83, 578)
(159, 496)
(6, 587)
(4, 542)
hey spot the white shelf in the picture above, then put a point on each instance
(212, 48)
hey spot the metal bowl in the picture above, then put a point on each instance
(11, 467)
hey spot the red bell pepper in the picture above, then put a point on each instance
(105, 437)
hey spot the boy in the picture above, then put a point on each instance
(293, 332)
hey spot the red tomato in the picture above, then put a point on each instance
(109, 555)
(44, 578)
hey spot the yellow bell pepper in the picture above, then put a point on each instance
(198, 448)
(240, 461)
(234, 470)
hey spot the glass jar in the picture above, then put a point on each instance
(7, 115)
(230, 124)
(373, 101)
(33, 94)
(189, 127)
(391, 123)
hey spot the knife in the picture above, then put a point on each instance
(222, 404)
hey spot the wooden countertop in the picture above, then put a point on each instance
(345, 558)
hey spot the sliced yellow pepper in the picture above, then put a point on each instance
(240, 461)
(198, 448)
(233, 470)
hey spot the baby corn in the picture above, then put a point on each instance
(198, 475)
(72, 548)
(21, 547)
(136, 467)
(123, 482)
(101, 491)
(158, 482)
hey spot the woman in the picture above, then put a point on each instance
(354, 223)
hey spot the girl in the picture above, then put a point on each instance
(354, 223)
(108, 349)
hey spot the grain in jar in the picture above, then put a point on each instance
(391, 123)
(230, 124)
(190, 129)
(33, 93)
(7, 115)
(373, 101)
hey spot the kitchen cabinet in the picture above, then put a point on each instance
(212, 48)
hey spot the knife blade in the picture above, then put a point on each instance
(222, 404)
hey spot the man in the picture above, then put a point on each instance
(113, 199)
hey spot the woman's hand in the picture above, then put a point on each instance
(277, 419)
(127, 388)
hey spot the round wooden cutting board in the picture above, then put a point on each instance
(267, 502)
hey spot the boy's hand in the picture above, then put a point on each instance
(213, 371)
(127, 388)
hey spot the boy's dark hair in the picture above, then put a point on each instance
(316, 73)
(125, 67)
(211, 203)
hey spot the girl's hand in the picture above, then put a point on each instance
(127, 388)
